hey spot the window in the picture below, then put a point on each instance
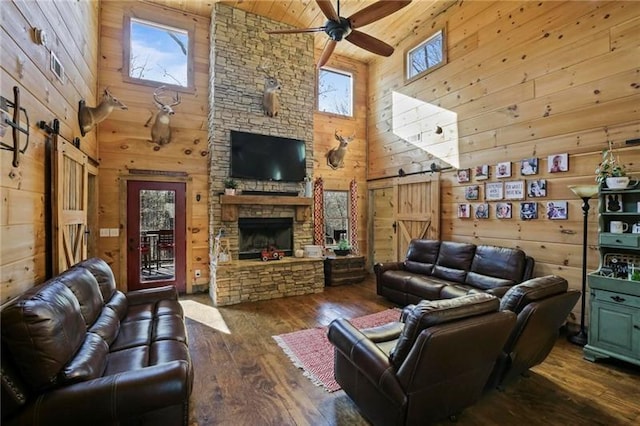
(426, 57)
(335, 92)
(336, 216)
(158, 53)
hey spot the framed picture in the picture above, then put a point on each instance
(503, 210)
(613, 203)
(558, 163)
(482, 211)
(463, 175)
(464, 210)
(514, 190)
(482, 172)
(471, 192)
(528, 211)
(537, 188)
(529, 166)
(503, 170)
(557, 210)
(493, 191)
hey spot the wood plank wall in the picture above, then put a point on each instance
(355, 162)
(524, 79)
(72, 30)
(125, 141)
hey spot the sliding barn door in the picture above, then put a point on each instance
(70, 200)
(403, 209)
(418, 212)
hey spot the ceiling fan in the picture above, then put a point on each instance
(338, 28)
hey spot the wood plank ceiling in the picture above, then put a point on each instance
(306, 13)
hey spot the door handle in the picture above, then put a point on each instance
(395, 227)
(618, 299)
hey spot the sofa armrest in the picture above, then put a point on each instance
(152, 295)
(366, 356)
(112, 399)
(380, 268)
(499, 291)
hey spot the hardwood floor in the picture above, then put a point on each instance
(242, 377)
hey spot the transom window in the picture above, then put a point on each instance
(427, 56)
(335, 92)
(158, 53)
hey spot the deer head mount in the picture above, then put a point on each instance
(88, 117)
(335, 156)
(270, 96)
(161, 128)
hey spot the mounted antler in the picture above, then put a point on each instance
(88, 117)
(335, 156)
(270, 101)
(161, 129)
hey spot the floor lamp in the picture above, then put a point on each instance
(585, 192)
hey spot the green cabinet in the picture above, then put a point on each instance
(614, 303)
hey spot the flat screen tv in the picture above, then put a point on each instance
(271, 158)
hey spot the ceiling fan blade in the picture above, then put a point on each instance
(296, 30)
(326, 53)
(376, 11)
(369, 43)
(327, 8)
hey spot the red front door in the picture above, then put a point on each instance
(156, 234)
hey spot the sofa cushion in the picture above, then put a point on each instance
(85, 287)
(496, 267)
(103, 275)
(457, 290)
(119, 304)
(43, 329)
(429, 313)
(88, 363)
(422, 256)
(425, 287)
(534, 289)
(133, 333)
(106, 326)
(454, 260)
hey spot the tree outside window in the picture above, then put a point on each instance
(335, 92)
(158, 53)
(336, 216)
(427, 56)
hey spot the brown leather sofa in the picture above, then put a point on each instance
(430, 365)
(446, 269)
(76, 351)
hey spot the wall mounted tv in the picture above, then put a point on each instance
(263, 157)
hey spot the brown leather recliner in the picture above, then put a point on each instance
(430, 365)
(542, 306)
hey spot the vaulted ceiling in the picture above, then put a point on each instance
(306, 13)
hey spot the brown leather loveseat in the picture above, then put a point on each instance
(446, 269)
(76, 351)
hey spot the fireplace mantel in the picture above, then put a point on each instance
(230, 205)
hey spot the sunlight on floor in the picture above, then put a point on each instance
(205, 314)
(428, 127)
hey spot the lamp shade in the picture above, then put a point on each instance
(584, 191)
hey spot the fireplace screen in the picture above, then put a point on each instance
(257, 234)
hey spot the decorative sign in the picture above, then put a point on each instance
(493, 191)
(514, 190)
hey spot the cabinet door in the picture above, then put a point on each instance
(612, 328)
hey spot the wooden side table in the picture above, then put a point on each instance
(340, 270)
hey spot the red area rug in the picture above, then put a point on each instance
(311, 351)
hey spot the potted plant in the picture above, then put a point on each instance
(343, 248)
(610, 171)
(230, 186)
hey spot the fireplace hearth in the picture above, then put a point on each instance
(256, 234)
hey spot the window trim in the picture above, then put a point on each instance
(348, 73)
(408, 51)
(159, 20)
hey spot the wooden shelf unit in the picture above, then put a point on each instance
(230, 205)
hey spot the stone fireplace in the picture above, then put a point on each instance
(258, 233)
(238, 48)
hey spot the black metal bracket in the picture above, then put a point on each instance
(5, 104)
(54, 129)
